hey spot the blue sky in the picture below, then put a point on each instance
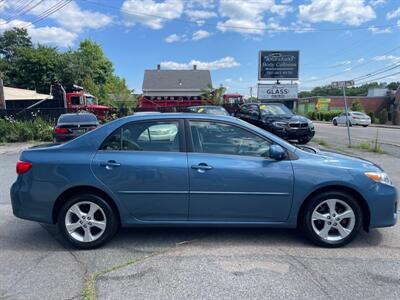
(337, 39)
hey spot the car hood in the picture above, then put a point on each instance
(286, 118)
(345, 161)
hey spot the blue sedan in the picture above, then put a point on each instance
(198, 170)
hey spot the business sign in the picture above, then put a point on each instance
(341, 84)
(275, 65)
(277, 91)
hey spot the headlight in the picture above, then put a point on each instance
(279, 124)
(310, 124)
(379, 177)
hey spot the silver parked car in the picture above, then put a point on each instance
(354, 117)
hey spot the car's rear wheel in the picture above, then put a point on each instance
(331, 219)
(365, 125)
(87, 221)
(334, 123)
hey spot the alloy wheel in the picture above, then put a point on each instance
(85, 221)
(333, 220)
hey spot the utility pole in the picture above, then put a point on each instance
(2, 98)
(347, 114)
(251, 93)
(343, 85)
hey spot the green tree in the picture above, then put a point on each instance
(33, 68)
(393, 85)
(12, 40)
(357, 106)
(118, 95)
(213, 95)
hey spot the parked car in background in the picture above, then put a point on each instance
(214, 171)
(278, 119)
(209, 109)
(70, 126)
(354, 117)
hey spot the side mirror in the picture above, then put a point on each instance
(276, 152)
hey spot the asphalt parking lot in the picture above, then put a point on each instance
(207, 263)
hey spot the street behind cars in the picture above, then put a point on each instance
(278, 119)
(72, 125)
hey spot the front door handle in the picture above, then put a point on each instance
(201, 168)
(110, 164)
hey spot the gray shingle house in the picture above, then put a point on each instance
(175, 83)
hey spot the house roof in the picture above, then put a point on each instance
(176, 80)
(11, 93)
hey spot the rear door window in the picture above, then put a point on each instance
(145, 136)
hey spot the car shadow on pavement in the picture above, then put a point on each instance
(152, 238)
(158, 237)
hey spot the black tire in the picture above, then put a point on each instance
(305, 221)
(111, 227)
(350, 124)
(334, 123)
(365, 125)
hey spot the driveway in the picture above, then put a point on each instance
(182, 263)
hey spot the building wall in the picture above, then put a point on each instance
(370, 104)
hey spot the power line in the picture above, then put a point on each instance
(131, 12)
(23, 11)
(53, 9)
(355, 67)
(375, 79)
(377, 72)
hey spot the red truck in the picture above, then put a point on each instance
(231, 103)
(74, 98)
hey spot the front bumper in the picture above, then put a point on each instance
(293, 133)
(383, 203)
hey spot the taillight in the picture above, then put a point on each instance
(23, 167)
(61, 130)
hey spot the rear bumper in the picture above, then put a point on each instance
(36, 206)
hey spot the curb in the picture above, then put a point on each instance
(372, 125)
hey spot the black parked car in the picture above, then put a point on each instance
(70, 126)
(278, 119)
(209, 109)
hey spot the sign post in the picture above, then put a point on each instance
(2, 97)
(343, 85)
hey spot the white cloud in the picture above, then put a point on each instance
(173, 38)
(360, 60)
(150, 13)
(70, 16)
(376, 30)
(247, 17)
(223, 63)
(391, 58)
(351, 12)
(376, 3)
(393, 14)
(203, 4)
(56, 36)
(200, 14)
(200, 34)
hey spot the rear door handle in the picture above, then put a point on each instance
(201, 168)
(110, 164)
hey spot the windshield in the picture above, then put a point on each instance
(274, 110)
(233, 100)
(90, 100)
(216, 111)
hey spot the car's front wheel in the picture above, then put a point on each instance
(331, 219)
(334, 122)
(87, 221)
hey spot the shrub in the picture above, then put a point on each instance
(12, 131)
(357, 106)
(396, 118)
(383, 116)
